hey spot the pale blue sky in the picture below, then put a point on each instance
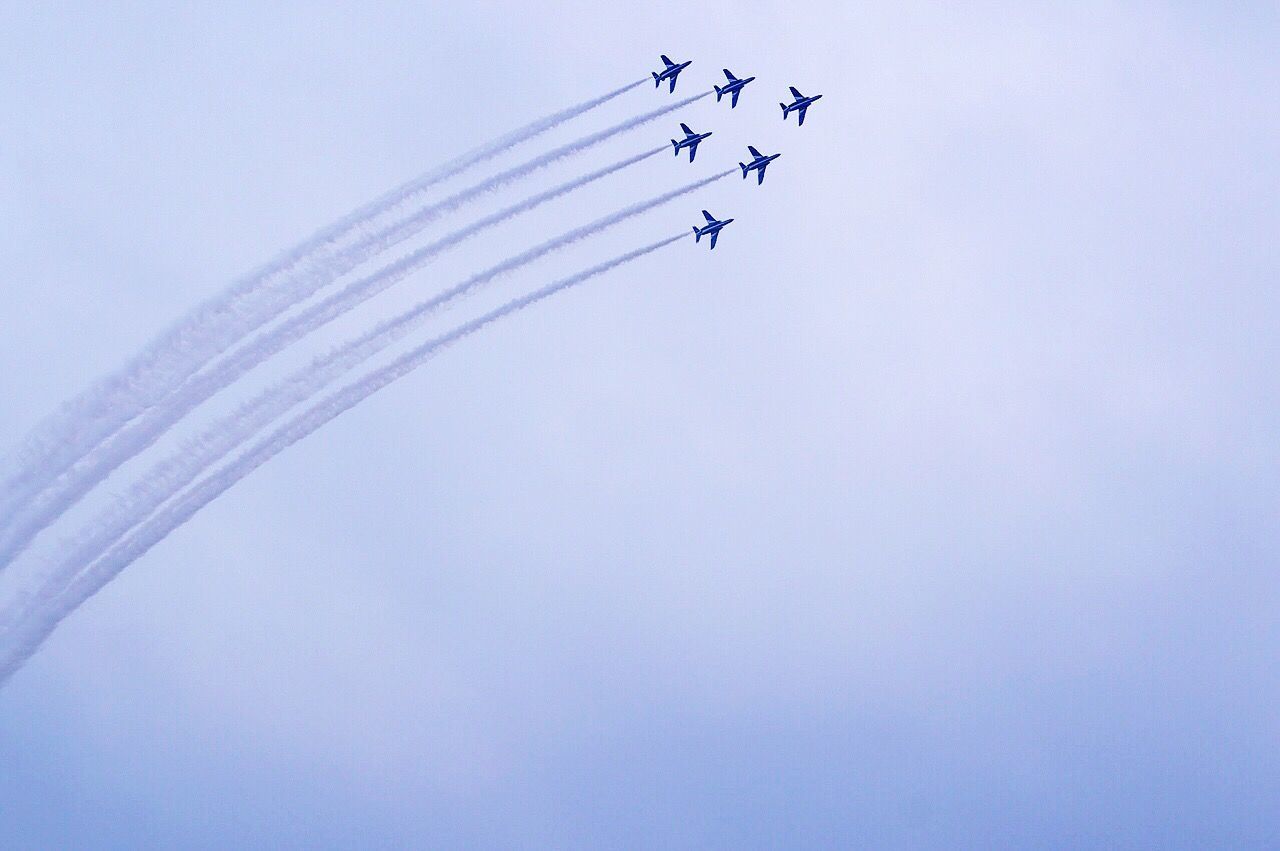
(936, 508)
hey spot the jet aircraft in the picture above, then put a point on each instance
(759, 164)
(801, 104)
(689, 141)
(712, 228)
(733, 87)
(670, 72)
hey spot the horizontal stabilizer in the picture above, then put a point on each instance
(720, 93)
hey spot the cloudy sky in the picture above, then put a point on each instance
(938, 507)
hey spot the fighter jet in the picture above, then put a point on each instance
(670, 72)
(759, 164)
(801, 104)
(733, 87)
(712, 227)
(689, 141)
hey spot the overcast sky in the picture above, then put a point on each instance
(937, 508)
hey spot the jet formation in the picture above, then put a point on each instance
(733, 88)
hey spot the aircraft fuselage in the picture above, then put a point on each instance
(690, 141)
(760, 162)
(803, 103)
(670, 73)
(712, 229)
(675, 70)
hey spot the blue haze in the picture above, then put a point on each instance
(937, 508)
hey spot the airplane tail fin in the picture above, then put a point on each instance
(719, 92)
(784, 110)
(656, 82)
(676, 146)
(697, 234)
(743, 166)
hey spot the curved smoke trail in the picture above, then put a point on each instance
(222, 322)
(169, 476)
(46, 507)
(23, 639)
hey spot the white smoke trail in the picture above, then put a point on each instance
(19, 642)
(414, 223)
(82, 423)
(242, 318)
(45, 507)
(474, 157)
(64, 424)
(169, 476)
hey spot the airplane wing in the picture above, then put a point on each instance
(693, 151)
(760, 174)
(795, 93)
(669, 63)
(673, 85)
(753, 151)
(803, 110)
(734, 101)
(729, 74)
(710, 218)
(685, 128)
(713, 240)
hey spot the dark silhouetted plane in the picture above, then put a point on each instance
(759, 164)
(801, 104)
(733, 87)
(689, 141)
(670, 72)
(711, 228)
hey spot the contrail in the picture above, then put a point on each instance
(85, 421)
(411, 225)
(200, 345)
(45, 507)
(169, 476)
(474, 157)
(65, 424)
(23, 639)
